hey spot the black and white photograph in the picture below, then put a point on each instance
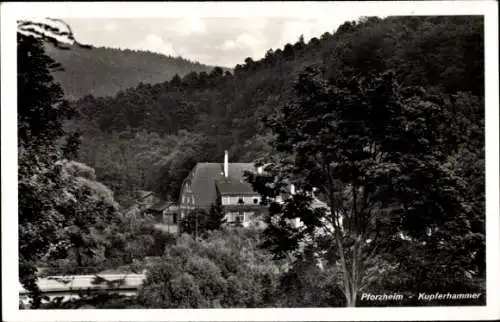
(281, 155)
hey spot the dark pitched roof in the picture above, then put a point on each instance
(142, 194)
(206, 175)
(162, 205)
(231, 186)
(317, 203)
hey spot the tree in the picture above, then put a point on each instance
(379, 156)
(173, 167)
(63, 212)
(176, 81)
(249, 62)
(289, 51)
(217, 72)
(216, 216)
(299, 45)
(461, 258)
(41, 113)
(198, 222)
(194, 223)
(305, 284)
(94, 235)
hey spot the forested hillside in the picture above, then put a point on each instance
(151, 135)
(104, 71)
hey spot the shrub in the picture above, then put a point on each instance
(225, 269)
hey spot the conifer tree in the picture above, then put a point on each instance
(216, 216)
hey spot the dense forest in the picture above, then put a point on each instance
(384, 116)
(150, 136)
(104, 71)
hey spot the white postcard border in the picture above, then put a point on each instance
(12, 11)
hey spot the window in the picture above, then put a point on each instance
(240, 201)
(231, 216)
(255, 201)
(235, 217)
(226, 200)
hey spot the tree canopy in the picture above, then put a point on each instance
(41, 113)
(380, 155)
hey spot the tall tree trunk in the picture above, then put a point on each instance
(350, 284)
(78, 258)
(351, 301)
(347, 281)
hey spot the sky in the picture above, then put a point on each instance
(224, 41)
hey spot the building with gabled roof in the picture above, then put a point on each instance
(209, 181)
(164, 212)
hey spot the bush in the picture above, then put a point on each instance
(226, 269)
(161, 240)
(304, 284)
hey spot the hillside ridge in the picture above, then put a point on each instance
(104, 71)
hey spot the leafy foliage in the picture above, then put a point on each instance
(97, 235)
(199, 221)
(305, 284)
(226, 269)
(379, 154)
(216, 215)
(41, 113)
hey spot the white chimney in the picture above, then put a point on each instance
(226, 164)
(260, 170)
(292, 189)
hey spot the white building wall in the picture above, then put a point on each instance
(246, 217)
(234, 200)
